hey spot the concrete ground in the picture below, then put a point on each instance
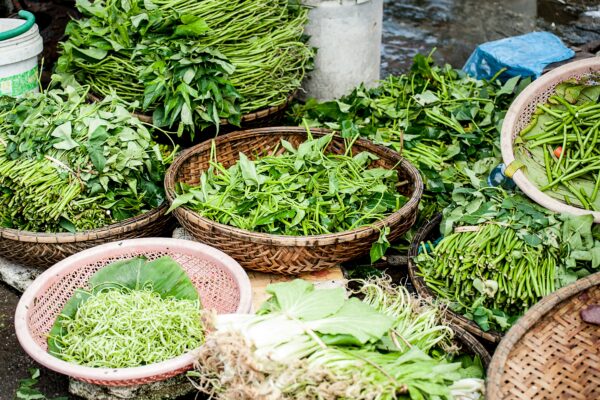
(411, 26)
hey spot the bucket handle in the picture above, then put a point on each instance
(29, 21)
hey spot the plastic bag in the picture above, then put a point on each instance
(525, 55)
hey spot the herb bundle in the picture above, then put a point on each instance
(189, 63)
(66, 165)
(499, 254)
(308, 343)
(560, 148)
(302, 191)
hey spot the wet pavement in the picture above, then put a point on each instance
(454, 27)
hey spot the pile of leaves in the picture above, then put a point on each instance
(443, 121)
(66, 165)
(190, 64)
(494, 279)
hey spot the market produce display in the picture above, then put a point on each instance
(66, 165)
(444, 122)
(307, 343)
(189, 63)
(560, 148)
(135, 312)
(297, 191)
(500, 253)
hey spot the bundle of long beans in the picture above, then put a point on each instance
(242, 48)
(561, 146)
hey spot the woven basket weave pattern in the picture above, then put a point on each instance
(287, 254)
(44, 249)
(551, 353)
(430, 232)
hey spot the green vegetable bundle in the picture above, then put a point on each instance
(501, 254)
(307, 343)
(444, 122)
(302, 191)
(561, 146)
(66, 165)
(133, 313)
(189, 63)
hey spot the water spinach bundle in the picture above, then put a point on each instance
(66, 165)
(133, 313)
(560, 148)
(307, 343)
(500, 254)
(444, 122)
(302, 191)
(189, 63)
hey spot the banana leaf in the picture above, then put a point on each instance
(165, 275)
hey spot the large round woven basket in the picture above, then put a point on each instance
(551, 353)
(278, 253)
(222, 285)
(431, 232)
(44, 249)
(519, 115)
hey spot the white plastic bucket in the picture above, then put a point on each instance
(19, 59)
(347, 35)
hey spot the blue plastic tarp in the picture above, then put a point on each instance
(525, 55)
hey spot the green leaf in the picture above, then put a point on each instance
(63, 132)
(191, 26)
(248, 171)
(180, 200)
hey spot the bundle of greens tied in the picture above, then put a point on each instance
(189, 63)
(298, 191)
(66, 165)
(135, 312)
(443, 121)
(499, 254)
(560, 148)
(307, 343)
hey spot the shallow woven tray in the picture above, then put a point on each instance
(431, 231)
(518, 117)
(222, 285)
(278, 253)
(44, 249)
(550, 353)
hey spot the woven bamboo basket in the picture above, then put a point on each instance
(519, 115)
(551, 353)
(278, 253)
(44, 249)
(470, 345)
(430, 231)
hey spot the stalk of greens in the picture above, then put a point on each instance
(308, 343)
(443, 121)
(560, 147)
(499, 254)
(302, 191)
(66, 165)
(189, 63)
(134, 313)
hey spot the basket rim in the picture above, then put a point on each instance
(424, 291)
(511, 119)
(112, 376)
(248, 117)
(126, 225)
(526, 322)
(286, 240)
(466, 338)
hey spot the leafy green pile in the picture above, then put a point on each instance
(69, 166)
(135, 313)
(308, 343)
(298, 192)
(189, 63)
(500, 253)
(444, 122)
(560, 148)
(28, 391)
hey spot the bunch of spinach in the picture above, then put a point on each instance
(66, 165)
(302, 191)
(443, 121)
(500, 253)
